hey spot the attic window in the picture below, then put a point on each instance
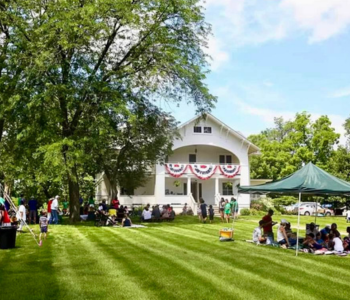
(197, 129)
(207, 129)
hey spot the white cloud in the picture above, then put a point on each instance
(345, 92)
(323, 18)
(267, 115)
(238, 23)
(216, 52)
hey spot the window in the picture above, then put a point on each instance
(185, 188)
(192, 158)
(227, 189)
(222, 159)
(207, 129)
(225, 159)
(197, 129)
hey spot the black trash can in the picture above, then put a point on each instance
(8, 237)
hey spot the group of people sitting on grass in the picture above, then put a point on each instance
(327, 239)
(166, 213)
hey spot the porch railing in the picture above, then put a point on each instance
(193, 204)
(217, 199)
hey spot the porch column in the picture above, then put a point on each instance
(159, 188)
(244, 199)
(188, 185)
(216, 188)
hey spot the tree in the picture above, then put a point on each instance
(146, 138)
(88, 62)
(290, 144)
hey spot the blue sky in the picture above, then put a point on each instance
(275, 58)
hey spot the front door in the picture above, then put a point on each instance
(194, 190)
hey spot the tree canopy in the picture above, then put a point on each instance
(290, 144)
(78, 82)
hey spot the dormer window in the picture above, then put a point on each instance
(207, 129)
(197, 129)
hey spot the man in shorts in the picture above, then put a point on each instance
(43, 223)
(234, 208)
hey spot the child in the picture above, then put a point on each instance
(338, 243)
(319, 240)
(310, 243)
(43, 223)
(211, 213)
(227, 210)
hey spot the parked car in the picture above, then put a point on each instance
(309, 208)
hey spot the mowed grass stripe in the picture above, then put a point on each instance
(284, 268)
(113, 277)
(26, 271)
(191, 266)
(247, 278)
(155, 272)
(220, 261)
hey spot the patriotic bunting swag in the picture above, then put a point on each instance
(229, 171)
(203, 172)
(176, 170)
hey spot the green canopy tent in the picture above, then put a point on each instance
(309, 180)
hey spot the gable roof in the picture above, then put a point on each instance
(252, 148)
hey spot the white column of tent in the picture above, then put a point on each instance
(297, 246)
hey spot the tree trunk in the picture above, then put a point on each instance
(112, 189)
(74, 205)
(2, 121)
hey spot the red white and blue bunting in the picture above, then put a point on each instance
(176, 170)
(229, 171)
(203, 172)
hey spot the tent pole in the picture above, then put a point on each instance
(316, 212)
(297, 246)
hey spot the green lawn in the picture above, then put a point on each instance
(179, 260)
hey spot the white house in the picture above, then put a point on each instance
(208, 162)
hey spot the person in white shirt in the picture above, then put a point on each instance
(348, 216)
(146, 215)
(21, 215)
(54, 211)
(257, 234)
(338, 243)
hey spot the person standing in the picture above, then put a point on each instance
(49, 203)
(211, 213)
(268, 223)
(4, 216)
(234, 207)
(54, 211)
(204, 211)
(43, 223)
(21, 215)
(33, 206)
(348, 216)
(222, 209)
(65, 207)
(227, 210)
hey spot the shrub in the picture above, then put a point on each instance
(254, 212)
(245, 212)
(256, 204)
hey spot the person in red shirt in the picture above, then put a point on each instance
(267, 225)
(49, 209)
